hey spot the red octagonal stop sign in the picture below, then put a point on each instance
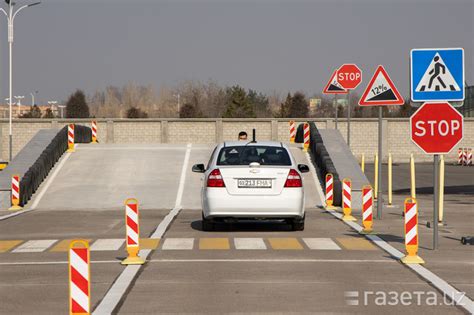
(436, 127)
(349, 76)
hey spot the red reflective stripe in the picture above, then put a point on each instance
(369, 218)
(133, 206)
(130, 241)
(132, 224)
(82, 253)
(76, 308)
(413, 241)
(81, 282)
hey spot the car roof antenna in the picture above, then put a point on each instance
(253, 136)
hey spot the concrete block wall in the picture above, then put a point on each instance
(141, 131)
(191, 132)
(364, 133)
(231, 129)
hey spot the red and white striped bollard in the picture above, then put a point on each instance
(347, 200)
(306, 137)
(94, 131)
(79, 277)
(292, 131)
(132, 221)
(469, 157)
(329, 192)
(367, 209)
(411, 232)
(15, 193)
(70, 138)
(460, 156)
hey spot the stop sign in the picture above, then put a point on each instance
(349, 76)
(436, 127)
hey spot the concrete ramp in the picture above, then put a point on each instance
(23, 161)
(345, 164)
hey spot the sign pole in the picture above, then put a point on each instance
(435, 200)
(349, 119)
(379, 190)
(335, 101)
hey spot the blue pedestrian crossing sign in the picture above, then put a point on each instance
(437, 74)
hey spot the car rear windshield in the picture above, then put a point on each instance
(244, 155)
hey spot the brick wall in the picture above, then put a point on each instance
(364, 133)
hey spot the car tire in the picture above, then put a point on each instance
(207, 225)
(297, 224)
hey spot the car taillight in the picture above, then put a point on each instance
(293, 179)
(215, 179)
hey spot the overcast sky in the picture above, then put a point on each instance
(264, 45)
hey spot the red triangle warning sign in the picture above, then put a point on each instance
(381, 91)
(333, 87)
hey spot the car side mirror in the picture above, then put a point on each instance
(199, 168)
(303, 168)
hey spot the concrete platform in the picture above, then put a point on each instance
(345, 164)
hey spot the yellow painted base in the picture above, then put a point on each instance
(330, 207)
(70, 151)
(348, 218)
(133, 261)
(15, 208)
(414, 259)
(367, 232)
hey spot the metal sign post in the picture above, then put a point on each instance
(349, 119)
(337, 107)
(435, 200)
(379, 190)
(380, 92)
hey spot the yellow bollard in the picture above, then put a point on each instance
(376, 176)
(132, 219)
(441, 190)
(389, 180)
(15, 194)
(412, 176)
(411, 233)
(362, 163)
(347, 200)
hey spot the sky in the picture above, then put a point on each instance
(266, 45)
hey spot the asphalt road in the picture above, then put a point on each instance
(240, 268)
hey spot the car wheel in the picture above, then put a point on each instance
(207, 225)
(297, 224)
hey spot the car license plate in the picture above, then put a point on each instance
(254, 183)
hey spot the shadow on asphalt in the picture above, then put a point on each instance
(448, 190)
(245, 226)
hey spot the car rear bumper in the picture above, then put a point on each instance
(218, 203)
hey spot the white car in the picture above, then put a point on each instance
(252, 180)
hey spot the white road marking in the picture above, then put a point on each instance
(178, 244)
(448, 290)
(249, 243)
(113, 296)
(107, 244)
(42, 190)
(283, 260)
(321, 243)
(316, 180)
(36, 246)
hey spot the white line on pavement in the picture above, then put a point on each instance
(178, 244)
(256, 260)
(249, 243)
(107, 244)
(321, 243)
(458, 297)
(35, 246)
(112, 298)
(42, 190)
